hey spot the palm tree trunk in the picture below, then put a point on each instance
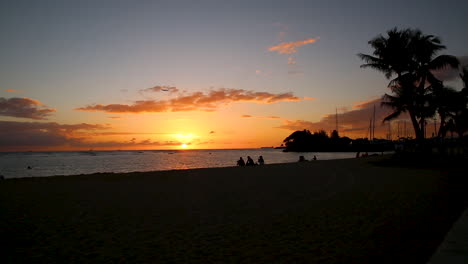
(417, 129)
(442, 130)
(421, 106)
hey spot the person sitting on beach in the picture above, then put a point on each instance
(260, 160)
(301, 158)
(241, 162)
(315, 158)
(250, 161)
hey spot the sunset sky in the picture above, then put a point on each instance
(208, 74)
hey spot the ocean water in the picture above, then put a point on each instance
(42, 164)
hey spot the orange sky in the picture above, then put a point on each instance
(160, 74)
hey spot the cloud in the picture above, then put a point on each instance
(261, 73)
(123, 134)
(212, 132)
(352, 123)
(260, 117)
(24, 108)
(13, 91)
(309, 98)
(365, 104)
(291, 47)
(37, 135)
(196, 101)
(30, 134)
(114, 117)
(291, 61)
(158, 88)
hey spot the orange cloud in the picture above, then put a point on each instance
(366, 103)
(260, 117)
(352, 123)
(24, 108)
(291, 61)
(13, 91)
(291, 47)
(309, 98)
(197, 101)
(36, 135)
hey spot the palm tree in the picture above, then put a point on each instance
(405, 99)
(391, 54)
(446, 101)
(408, 54)
(464, 77)
(459, 110)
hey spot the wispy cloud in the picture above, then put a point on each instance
(291, 47)
(260, 117)
(13, 91)
(291, 61)
(24, 108)
(158, 88)
(196, 101)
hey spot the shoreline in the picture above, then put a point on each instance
(121, 174)
(327, 211)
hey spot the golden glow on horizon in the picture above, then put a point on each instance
(183, 145)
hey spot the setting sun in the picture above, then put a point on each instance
(183, 145)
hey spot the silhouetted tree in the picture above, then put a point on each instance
(334, 135)
(408, 54)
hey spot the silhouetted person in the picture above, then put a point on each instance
(315, 158)
(250, 161)
(301, 158)
(29, 167)
(260, 160)
(241, 162)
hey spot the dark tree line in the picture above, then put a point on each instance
(304, 141)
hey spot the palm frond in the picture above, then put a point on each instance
(392, 116)
(443, 61)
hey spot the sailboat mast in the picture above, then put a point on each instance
(373, 125)
(336, 119)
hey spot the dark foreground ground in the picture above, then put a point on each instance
(377, 210)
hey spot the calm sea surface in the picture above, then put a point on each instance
(15, 164)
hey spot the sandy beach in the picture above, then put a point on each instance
(335, 211)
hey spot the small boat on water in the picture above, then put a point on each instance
(89, 152)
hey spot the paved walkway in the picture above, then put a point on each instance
(454, 248)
